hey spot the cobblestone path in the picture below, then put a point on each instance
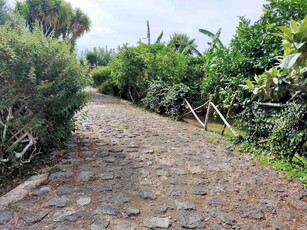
(129, 169)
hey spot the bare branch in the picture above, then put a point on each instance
(5, 160)
(31, 143)
(271, 104)
(16, 134)
(8, 118)
(20, 139)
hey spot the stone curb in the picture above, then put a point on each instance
(22, 190)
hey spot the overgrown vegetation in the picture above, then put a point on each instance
(40, 91)
(252, 51)
(158, 76)
(137, 73)
(283, 132)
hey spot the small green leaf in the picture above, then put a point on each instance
(249, 84)
(303, 24)
(286, 31)
(293, 26)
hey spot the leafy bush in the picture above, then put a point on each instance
(253, 50)
(134, 68)
(283, 133)
(164, 99)
(155, 95)
(40, 91)
(290, 132)
(280, 132)
(127, 73)
(174, 100)
(107, 87)
(101, 74)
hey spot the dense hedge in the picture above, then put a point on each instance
(155, 76)
(40, 91)
(279, 132)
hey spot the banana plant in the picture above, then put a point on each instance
(214, 37)
(159, 38)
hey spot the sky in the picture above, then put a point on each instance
(115, 22)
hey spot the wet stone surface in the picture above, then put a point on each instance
(130, 169)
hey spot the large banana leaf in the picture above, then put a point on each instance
(214, 37)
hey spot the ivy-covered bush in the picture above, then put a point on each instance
(164, 99)
(282, 132)
(40, 91)
(289, 134)
(173, 102)
(154, 97)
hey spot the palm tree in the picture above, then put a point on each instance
(58, 15)
(79, 24)
(55, 17)
(51, 15)
(183, 44)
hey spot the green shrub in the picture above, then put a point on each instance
(101, 74)
(290, 132)
(107, 87)
(284, 132)
(164, 99)
(155, 95)
(134, 68)
(127, 74)
(173, 101)
(253, 50)
(280, 132)
(40, 91)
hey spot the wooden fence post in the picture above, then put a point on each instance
(228, 112)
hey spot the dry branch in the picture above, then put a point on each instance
(194, 113)
(272, 104)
